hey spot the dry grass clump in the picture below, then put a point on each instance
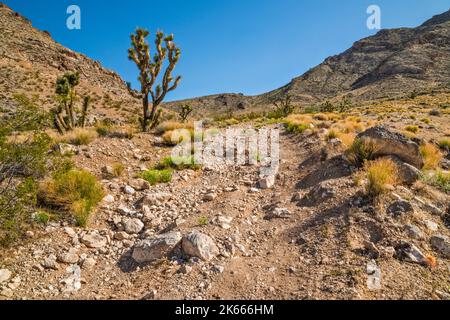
(78, 137)
(413, 129)
(172, 126)
(379, 174)
(118, 169)
(361, 151)
(431, 156)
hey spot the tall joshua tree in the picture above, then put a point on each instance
(150, 69)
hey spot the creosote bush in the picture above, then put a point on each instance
(74, 191)
(380, 173)
(156, 176)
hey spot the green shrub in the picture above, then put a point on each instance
(203, 221)
(361, 151)
(438, 179)
(413, 129)
(178, 163)
(156, 176)
(75, 191)
(444, 144)
(297, 127)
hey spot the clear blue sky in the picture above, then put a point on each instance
(247, 46)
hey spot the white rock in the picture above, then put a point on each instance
(5, 274)
(93, 240)
(108, 199)
(267, 182)
(199, 245)
(129, 190)
(133, 226)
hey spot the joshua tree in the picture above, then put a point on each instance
(284, 106)
(65, 118)
(149, 70)
(184, 112)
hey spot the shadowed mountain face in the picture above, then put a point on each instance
(390, 63)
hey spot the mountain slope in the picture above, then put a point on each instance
(30, 62)
(390, 63)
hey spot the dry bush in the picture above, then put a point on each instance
(78, 137)
(431, 156)
(379, 174)
(171, 126)
(118, 169)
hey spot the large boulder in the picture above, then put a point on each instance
(199, 245)
(389, 143)
(441, 244)
(156, 248)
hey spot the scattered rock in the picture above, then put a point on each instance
(129, 190)
(409, 252)
(156, 248)
(279, 213)
(108, 171)
(139, 184)
(400, 207)
(199, 245)
(414, 232)
(267, 182)
(70, 257)
(441, 244)
(133, 226)
(50, 263)
(93, 240)
(66, 149)
(88, 263)
(209, 197)
(73, 282)
(432, 226)
(108, 199)
(5, 274)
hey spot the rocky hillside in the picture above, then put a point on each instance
(391, 63)
(30, 62)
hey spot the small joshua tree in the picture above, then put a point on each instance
(184, 112)
(65, 115)
(284, 106)
(149, 70)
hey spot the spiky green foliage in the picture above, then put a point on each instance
(65, 115)
(283, 107)
(150, 69)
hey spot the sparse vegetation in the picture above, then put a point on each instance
(203, 221)
(118, 169)
(74, 191)
(438, 179)
(431, 155)
(413, 129)
(178, 163)
(78, 137)
(184, 112)
(361, 151)
(379, 174)
(156, 176)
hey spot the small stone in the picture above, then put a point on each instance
(70, 232)
(267, 182)
(133, 226)
(409, 252)
(93, 240)
(6, 292)
(414, 232)
(209, 197)
(50, 263)
(218, 269)
(140, 184)
(69, 257)
(5, 274)
(400, 207)
(156, 248)
(108, 171)
(441, 244)
(432, 226)
(121, 236)
(29, 234)
(108, 199)
(129, 190)
(88, 263)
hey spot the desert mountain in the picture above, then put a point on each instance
(30, 62)
(391, 63)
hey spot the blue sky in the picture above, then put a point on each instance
(242, 46)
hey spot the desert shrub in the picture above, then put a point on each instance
(103, 129)
(413, 129)
(426, 120)
(203, 221)
(297, 127)
(332, 134)
(438, 179)
(23, 160)
(444, 144)
(431, 156)
(379, 174)
(157, 176)
(118, 169)
(78, 137)
(178, 163)
(171, 126)
(435, 112)
(361, 151)
(76, 192)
